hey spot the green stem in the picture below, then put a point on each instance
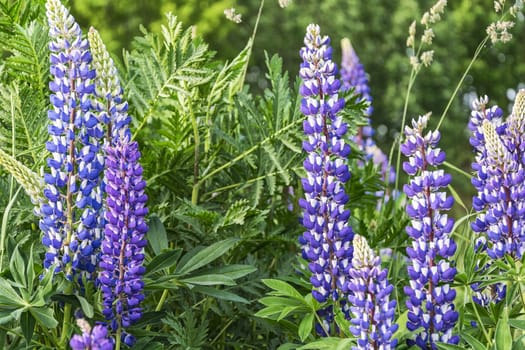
(481, 325)
(458, 86)
(20, 335)
(222, 331)
(160, 304)
(250, 181)
(455, 168)
(194, 124)
(66, 322)
(196, 187)
(117, 338)
(162, 300)
(413, 75)
(208, 123)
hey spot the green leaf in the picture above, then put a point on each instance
(8, 295)
(283, 288)
(476, 344)
(444, 346)
(305, 327)
(205, 256)
(457, 198)
(520, 324)
(27, 323)
(9, 315)
(17, 267)
(163, 261)
(234, 271)
(30, 270)
(330, 343)
(87, 308)
(44, 316)
(280, 302)
(220, 294)
(209, 280)
(287, 346)
(269, 311)
(503, 334)
(157, 237)
(285, 311)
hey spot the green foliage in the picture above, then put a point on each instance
(186, 332)
(223, 162)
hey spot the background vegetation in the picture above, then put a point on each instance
(223, 158)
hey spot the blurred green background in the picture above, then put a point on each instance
(378, 31)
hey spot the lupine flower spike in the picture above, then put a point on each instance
(91, 339)
(124, 241)
(29, 180)
(326, 243)
(430, 300)
(71, 215)
(353, 75)
(500, 201)
(500, 174)
(371, 307)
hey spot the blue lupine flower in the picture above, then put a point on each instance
(123, 245)
(499, 181)
(97, 338)
(371, 307)
(71, 216)
(500, 201)
(326, 244)
(430, 297)
(353, 76)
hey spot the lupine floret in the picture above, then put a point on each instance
(430, 299)
(326, 243)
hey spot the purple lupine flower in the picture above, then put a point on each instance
(71, 219)
(353, 76)
(500, 199)
(371, 307)
(500, 180)
(123, 245)
(430, 297)
(97, 338)
(326, 244)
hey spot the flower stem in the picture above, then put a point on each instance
(117, 338)
(458, 86)
(67, 320)
(413, 75)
